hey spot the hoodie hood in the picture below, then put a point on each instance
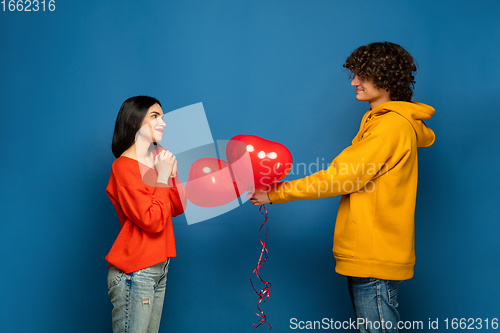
(415, 113)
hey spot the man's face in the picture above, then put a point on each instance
(366, 91)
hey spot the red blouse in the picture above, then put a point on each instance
(145, 209)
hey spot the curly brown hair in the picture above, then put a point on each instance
(389, 65)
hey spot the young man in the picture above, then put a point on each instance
(377, 177)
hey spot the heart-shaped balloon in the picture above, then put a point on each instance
(210, 183)
(257, 162)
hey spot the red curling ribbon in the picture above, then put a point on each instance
(263, 294)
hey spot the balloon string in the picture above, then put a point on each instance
(263, 294)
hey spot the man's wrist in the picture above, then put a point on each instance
(274, 193)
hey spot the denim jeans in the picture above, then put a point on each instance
(375, 304)
(137, 298)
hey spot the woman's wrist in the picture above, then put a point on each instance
(163, 178)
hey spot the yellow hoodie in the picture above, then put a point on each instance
(377, 178)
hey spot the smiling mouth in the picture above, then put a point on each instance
(160, 130)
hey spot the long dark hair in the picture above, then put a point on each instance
(129, 121)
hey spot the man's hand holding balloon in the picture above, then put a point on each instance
(259, 197)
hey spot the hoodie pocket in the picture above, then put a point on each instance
(345, 238)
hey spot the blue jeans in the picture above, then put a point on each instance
(137, 298)
(375, 304)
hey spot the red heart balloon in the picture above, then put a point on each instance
(210, 183)
(257, 162)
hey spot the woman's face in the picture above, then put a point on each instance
(153, 124)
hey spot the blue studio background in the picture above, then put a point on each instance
(268, 68)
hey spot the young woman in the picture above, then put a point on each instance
(146, 193)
